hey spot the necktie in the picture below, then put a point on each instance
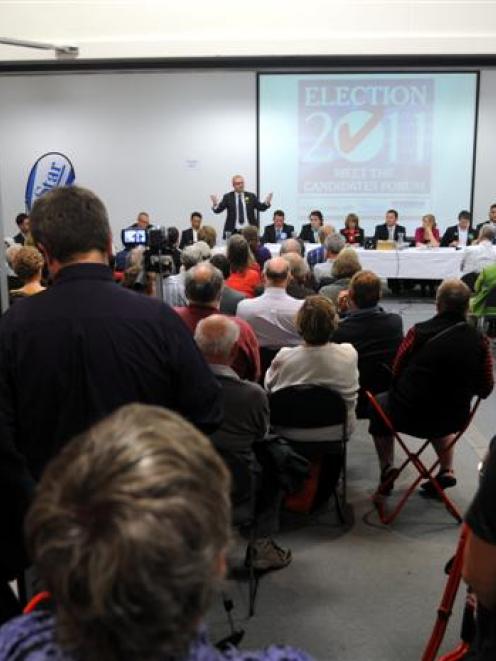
(241, 211)
(278, 235)
(391, 233)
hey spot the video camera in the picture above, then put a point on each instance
(158, 248)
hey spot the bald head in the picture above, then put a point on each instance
(453, 296)
(276, 272)
(290, 246)
(203, 284)
(216, 337)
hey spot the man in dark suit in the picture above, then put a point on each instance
(278, 231)
(190, 236)
(491, 219)
(22, 221)
(459, 235)
(310, 232)
(390, 230)
(240, 205)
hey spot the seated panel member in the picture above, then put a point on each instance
(279, 230)
(461, 235)
(142, 221)
(390, 230)
(240, 206)
(190, 236)
(428, 234)
(353, 234)
(491, 219)
(310, 232)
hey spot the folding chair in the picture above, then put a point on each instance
(267, 355)
(375, 370)
(424, 473)
(306, 408)
(243, 496)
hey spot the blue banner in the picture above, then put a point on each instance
(50, 171)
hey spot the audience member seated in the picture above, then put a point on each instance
(310, 231)
(375, 334)
(461, 235)
(244, 277)
(11, 249)
(318, 255)
(203, 287)
(190, 236)
(353, 234)
(279, 230)
(246, 421)
(208, 234)
(27, 263)
(479, 561)
(272, 315)
(477, 257)
(299, 282)
(344, 268)
(135, 276)
(440, 366)
(174, 285)
(229, 298)
(129, 532)
(318, 361)
(22, 222)
(485, 284)
(260, 252)
(292, 245)
(333, 245)
(428, 234)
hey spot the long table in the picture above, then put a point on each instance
(413, 263)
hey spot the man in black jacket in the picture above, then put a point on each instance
(461, 235)
(22, 222)
(240, 206)
(375, 333)
(190, 236)
(84, 347)
(279, 230)
(310, 232)
(390, 230)
(440, 366)
(491, 219)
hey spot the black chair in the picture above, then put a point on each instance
(243, 498)
(307, 407)
(375, 370)
(470, 279)
(267, 355)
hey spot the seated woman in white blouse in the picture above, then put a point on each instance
(318, 361)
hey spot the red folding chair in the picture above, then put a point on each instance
(424, 473)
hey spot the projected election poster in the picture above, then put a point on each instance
(365, 143)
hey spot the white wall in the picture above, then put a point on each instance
(132, 138)
(485, 173)
(158, 28)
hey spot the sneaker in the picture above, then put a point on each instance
(267, 555)
(444, 478)
(388, 476)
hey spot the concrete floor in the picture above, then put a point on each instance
(367, 592)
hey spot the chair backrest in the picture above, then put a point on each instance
(490, 300)
(307, 407)
(469, 279)
(266, 357)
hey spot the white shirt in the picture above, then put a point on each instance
(478, 257)
(238, 224)
(462, 236)
(323, 270)
(332, 365)
(272, 317)
(195, 235)
(174, 293)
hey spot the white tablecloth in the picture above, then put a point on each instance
(413, 263)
